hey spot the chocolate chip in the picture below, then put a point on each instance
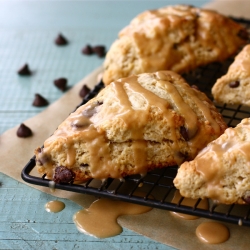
(100, 50)
(84, 165)
(24, 70)
(184, 133)
(63, 175)
(61, 83)
(23, 131)
(84, 91)
(175, 46)
(61, 40)
(234, 84)
(87, 50)
(39, 101)
(80, 124)
(247, 199)
(243, 34)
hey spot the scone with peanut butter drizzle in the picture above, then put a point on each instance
(132, 126)
(178, 38)
(221, 171)
(234, 86)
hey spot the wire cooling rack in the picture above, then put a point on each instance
(157, 186)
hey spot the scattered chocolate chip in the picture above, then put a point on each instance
(24, 70)
(23, 131)
(61, 40)
(234, 84)
(61, 83)
(87, 50)
(84, 91)
(243, 34)
(184, 133)
(39, 101)
(99, 50)
(63, 175)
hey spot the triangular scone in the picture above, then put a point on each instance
(132, 126)
(178, 38)
(234, 87)
(221, 171)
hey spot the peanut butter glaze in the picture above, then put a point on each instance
(86, 120)
(188, 202)
(100, 219)
(178, 38)
(212, 232)
(54, 206)
(209, 160)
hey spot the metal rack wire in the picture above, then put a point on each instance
(157, 186)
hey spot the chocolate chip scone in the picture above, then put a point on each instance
(234, 86)
(178, 38)
(221, 171)
(132, 126)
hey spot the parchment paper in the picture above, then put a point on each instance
(157, 224)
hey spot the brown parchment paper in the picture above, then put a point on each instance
(157, 224)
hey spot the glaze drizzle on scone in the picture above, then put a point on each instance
(133, 125)
(221, 171)
(178, 38)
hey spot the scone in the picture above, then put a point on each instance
(178, 38)
(234, 87)
(132, 126)
(221, 171)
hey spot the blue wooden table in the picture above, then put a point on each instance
(27, 32)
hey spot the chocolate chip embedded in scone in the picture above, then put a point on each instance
(63, 175)
(132, 126)
(221, 171)
(234, 86)
(178, 38)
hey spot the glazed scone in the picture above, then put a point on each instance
(132, 126)
(178, 38)
(221, 171)
(234, 87)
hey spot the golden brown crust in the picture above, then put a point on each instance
(178, 38)
(132, 126)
